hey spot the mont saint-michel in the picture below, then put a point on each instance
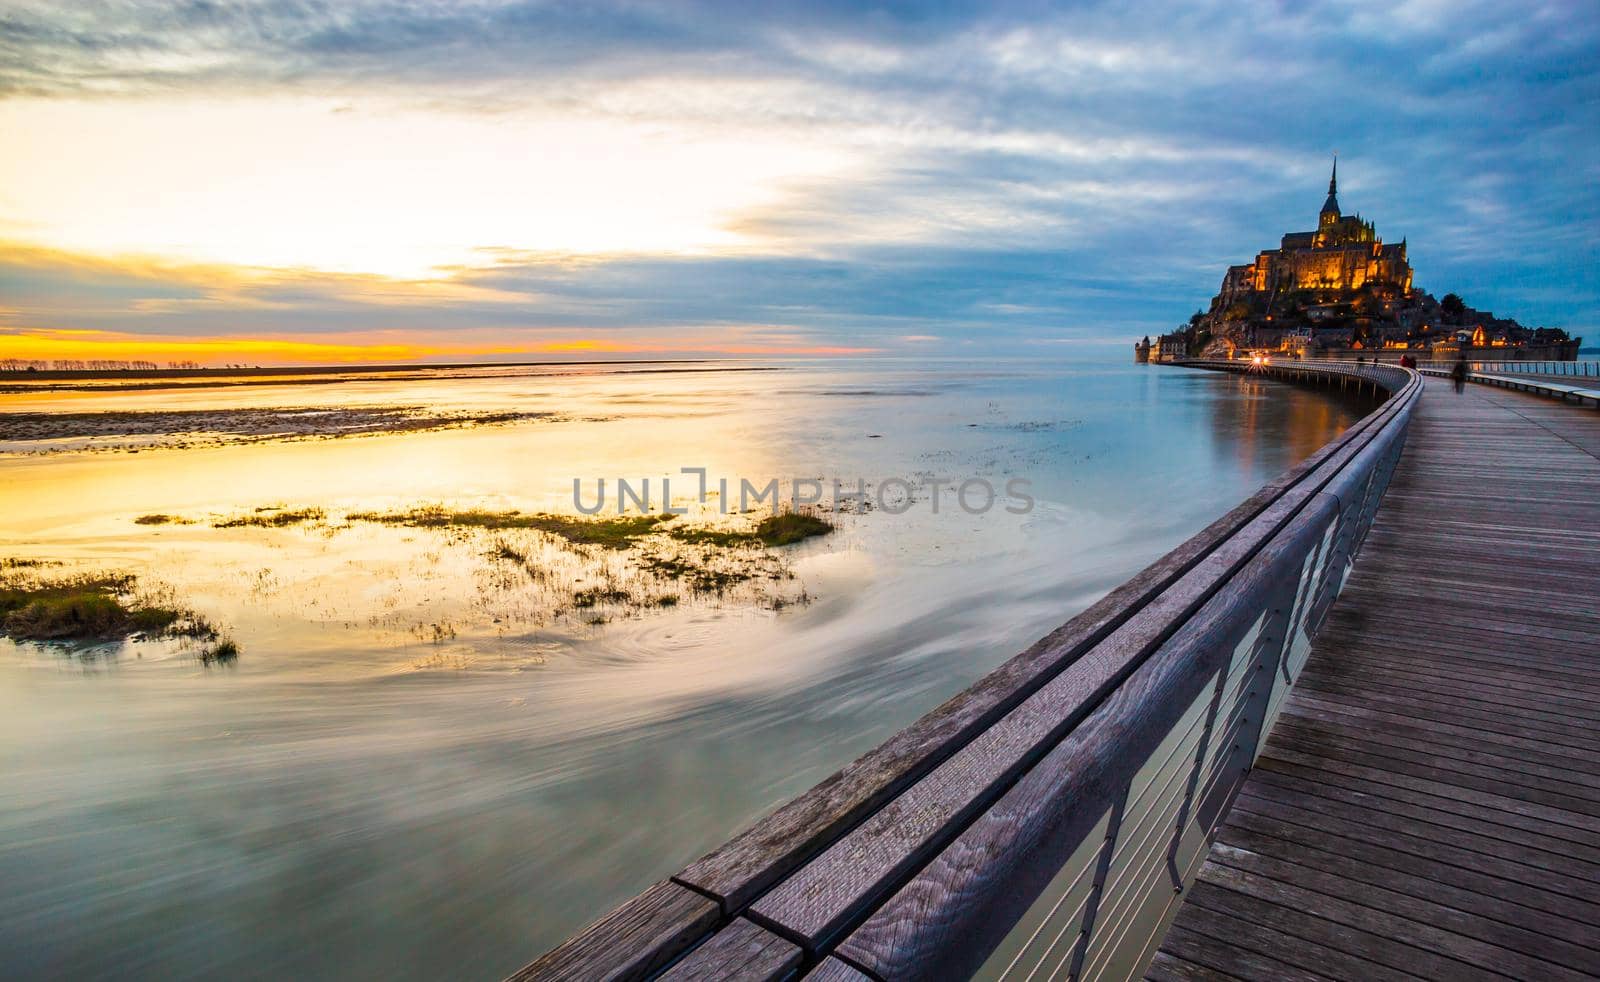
(1340, 288)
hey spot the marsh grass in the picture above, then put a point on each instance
(600, 595)
(781, 529)
(91, 607)
(272, 517)
(716, 538)
(710, 573)
(786, 528)
(505, 551)
(224, 652)
(160, 518)
(609, 533)
(539, 568)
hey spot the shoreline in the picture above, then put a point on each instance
(143, 380)
(91, 373)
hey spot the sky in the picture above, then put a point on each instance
(314, 181)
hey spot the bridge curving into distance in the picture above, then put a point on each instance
(1258, 758)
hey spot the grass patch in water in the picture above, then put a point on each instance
(720, 538)
(160, 518)
(608, 533)
(90, 607)
(272, 518)
(774, 530)
(600, 595)
(698, 576)
(790, 527)
(224, 652)
(503, 550)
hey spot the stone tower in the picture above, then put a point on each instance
(1330, 208)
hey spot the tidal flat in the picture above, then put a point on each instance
(58, 432)
(459, 718)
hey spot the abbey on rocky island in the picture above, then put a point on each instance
(1339, 289)
(1343, 253)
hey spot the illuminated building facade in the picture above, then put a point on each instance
(1343, 253)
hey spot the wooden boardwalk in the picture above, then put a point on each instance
(1428, 804)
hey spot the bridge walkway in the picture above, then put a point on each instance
(1428, 803)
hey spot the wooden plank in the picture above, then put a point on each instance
(1556, 853)
(1567, 798)
(1490, 701)
(1341, 708)
(834, 970)
(1547, 738)
(1167, 968)
(1348, 680)
(1213, 959)
(1399, 854)
(1485, 839)
(1307, 955)
(1527, 953)
(1563, 772)
(1532, 684)
(1447, 953)
(1518, 767)
(1554, 822)
(1473, 893)
(634, 939)
(1551, 667)
(739, 951)
(1576, 893)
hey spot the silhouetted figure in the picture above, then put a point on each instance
(1459, 374)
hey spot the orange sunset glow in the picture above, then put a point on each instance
(53, 346)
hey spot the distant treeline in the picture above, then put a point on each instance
(86, 365)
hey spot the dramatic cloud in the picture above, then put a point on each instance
(491, 175)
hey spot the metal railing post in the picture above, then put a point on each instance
(1101, 869)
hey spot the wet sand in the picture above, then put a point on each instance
(45, 432)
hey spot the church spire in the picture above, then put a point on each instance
(1330, 208)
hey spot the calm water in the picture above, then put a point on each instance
(422, 766)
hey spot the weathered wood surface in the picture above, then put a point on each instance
(834, 970)
(741, 950)
(1428, 803)
(631, 941)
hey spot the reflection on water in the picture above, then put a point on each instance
(362, 795)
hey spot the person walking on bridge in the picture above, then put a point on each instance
(1459, 374)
